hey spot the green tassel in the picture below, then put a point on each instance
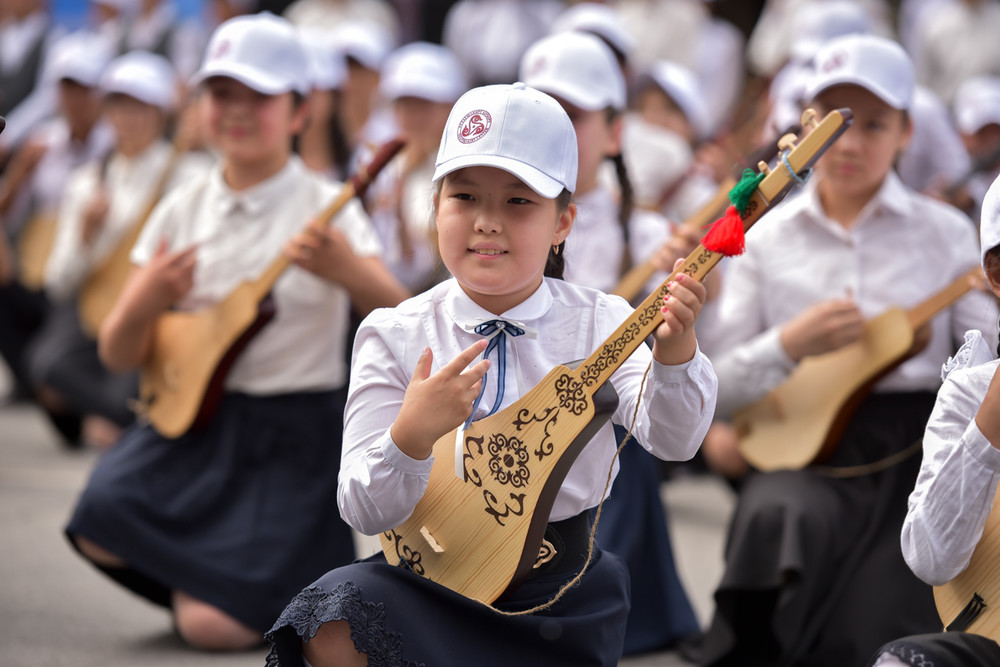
(742, 191)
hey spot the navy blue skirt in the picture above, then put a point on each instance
(240, 515)
(400, 618)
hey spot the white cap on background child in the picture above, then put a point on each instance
(816, 23)
(682, 86)
(424, 70)
(261, 51)
(147, 77)
(977, 104)
(81, 57)
(514, 128)
(989, 226)
(327, 69)
(598, 19)
(577, 68)
(877, 64)
(365, 42)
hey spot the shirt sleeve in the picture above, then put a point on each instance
(750, 360)
(677, 402)
(379, 485)
(955, 488)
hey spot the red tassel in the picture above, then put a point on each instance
(726, 235)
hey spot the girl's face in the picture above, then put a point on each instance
(136, 124)
(857, 163)
(598, 137)
(657, 108)
(494, 234)
(80, 105)
(421, 122)
(251, 129)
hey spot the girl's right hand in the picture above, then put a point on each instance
(434, 405)
(823, 327)
(157, 286)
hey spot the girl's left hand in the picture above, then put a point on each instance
(674, 340)
(323, 252)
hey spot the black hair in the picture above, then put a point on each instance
(627, 202)
(555, 264)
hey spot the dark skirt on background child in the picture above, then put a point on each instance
(943, 649)
(240, 515)
(814, 571)
(400, 618)
(633, 525)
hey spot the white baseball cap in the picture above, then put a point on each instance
(261, 51)
(423, 70)
(147, 77)
(989, 225)
(598, 19)
(514, 128)
(81, 57)
(816, 23)
(681, 84)
(576, 67)
(327, 69)
(877, 64)
(977, 104)
(366, 42)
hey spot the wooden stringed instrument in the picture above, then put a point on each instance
(100, 289)
(479, 534)
(801, 421)
(632, 283)
(34, 245)
(968, 602)
(181, 382)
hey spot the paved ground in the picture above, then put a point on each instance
(57, 611)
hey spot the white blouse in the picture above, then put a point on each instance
(130, 184)
(903, 248)
(958, 475)
(380, 485)
(238, 235)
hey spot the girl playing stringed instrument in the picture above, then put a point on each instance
(957, 484)
(813, 572)
(228, 521)
(505, 172)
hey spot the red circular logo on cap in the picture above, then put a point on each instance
(474, 126)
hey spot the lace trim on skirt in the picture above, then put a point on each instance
(313, 607)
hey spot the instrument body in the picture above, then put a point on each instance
(34, 245)
(968, 603)
(800, 422)
(480, 533)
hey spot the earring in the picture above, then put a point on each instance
(555, 248)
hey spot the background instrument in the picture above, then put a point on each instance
(801, 421)
(181, 382)
(480, 534)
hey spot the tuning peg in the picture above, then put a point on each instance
(787, 142)
(809, 118)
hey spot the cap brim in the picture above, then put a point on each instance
(248, 76)
(814, 91)
(536, 180)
